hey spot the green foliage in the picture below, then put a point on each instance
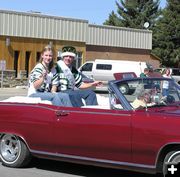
(165, 25)
(134, 13)
(113, 20)
(166, 35)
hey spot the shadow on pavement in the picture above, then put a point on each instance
(83, 170)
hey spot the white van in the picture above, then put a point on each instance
(104, 69)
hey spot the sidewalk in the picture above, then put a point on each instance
(9, 92)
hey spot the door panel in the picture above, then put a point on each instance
(101, 134)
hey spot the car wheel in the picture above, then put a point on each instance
(124, 88)
(13, 151)
(172, 157)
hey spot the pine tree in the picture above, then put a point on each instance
(113, 20)
(166, 35)
(134, 13)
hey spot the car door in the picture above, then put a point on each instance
(93, 133)
(149, 135)
(32, 122)
(87, 69)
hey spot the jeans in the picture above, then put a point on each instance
(76, 97)
(57, 99)
(165, 92)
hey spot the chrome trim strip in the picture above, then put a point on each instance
(71, 111)
(93, 159)
(94, 112)
(178, 152)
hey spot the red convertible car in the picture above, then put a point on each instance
(137, 131)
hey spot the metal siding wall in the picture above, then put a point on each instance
(38, 26)
(119, 37)
(57, 28)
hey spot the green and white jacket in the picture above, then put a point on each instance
(36, 73)
(69, 78)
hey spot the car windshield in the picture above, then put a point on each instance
(149, 92)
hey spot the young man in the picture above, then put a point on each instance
(70, 80)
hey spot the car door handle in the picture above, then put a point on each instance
(61, 113)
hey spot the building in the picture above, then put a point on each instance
(23, 36)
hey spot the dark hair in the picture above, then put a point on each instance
(146, 69)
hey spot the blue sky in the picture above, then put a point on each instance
(95, 11)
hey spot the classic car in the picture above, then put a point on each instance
(115, 134)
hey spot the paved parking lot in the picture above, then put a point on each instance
(9, 92)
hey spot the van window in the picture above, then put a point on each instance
(87, 67)
(175, 71)
(104, 66)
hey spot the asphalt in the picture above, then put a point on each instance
(9, 92)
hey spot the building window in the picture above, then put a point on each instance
(27, 58)
(16, 60)
(38, 56)
(78, 60)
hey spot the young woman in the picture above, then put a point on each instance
(43, 80)
(165, 86)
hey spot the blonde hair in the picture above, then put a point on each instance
(48, 48)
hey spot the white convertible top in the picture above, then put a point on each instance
(103, 101)
(26, 99)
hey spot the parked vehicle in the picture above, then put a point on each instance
(125, 75)
(176, 74)
(125, 88)
(104, 69)
(86, 79)
(118, 135)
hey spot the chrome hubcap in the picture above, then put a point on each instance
(174, 158)
(10, 148)
(123, 89)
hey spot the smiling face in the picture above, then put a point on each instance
(68, 60)
(47, 57)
